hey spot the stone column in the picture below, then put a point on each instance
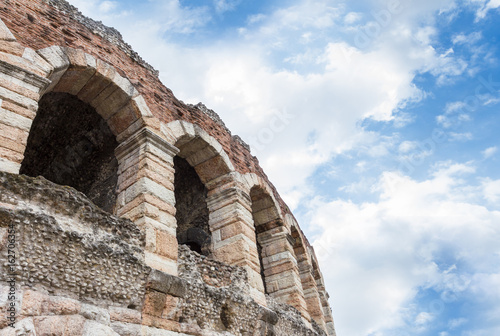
(311, 294)
(21, 83)
(146, 194)
(233, 232)
(327, 312)
(281, 270)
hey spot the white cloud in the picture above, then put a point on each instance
(457, 112)
(424, 318)
(163, 17)
(462, 137)
(107, 6)
(491, 190)
(448, 121)
(241, 80)
(484, 6)
(489, 152)
(361, 186)
(471, 38)
(455, 323)
(222, 6)
(101, 9)
(352, 17)
(383, 252)
(454, 107)
(407, 146)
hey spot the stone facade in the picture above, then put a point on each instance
(128, 174)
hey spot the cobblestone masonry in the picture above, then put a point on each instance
(80, 270)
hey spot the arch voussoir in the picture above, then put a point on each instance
(82, 68)
(57, 58)
(97, 83)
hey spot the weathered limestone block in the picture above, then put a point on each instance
(23, 64)
(127, 329)
(82, 68)
(95, 313)
(5, 34)
(25, 327)
(220, 300)
(167, 284)
(146, 195)
(57, 58)
(92, 328)
(39, 62)
(11, 47)
(59, 325)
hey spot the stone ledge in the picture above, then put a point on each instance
(166, 283)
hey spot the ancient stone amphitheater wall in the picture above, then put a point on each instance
(124, 211)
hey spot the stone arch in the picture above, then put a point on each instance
(267, 223)
(268, 226)
(300, 248)
(98, 84)
(200, 159)
(203, 152)
(89, 163)
(70, 144)
(307, 263)
(228, 201)
(144, 190)
(277, 258)
(72, 74)
(326, 319)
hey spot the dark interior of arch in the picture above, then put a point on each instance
(315, 270)
(192, 210)
(262, 275)
(298, 248)
(257, 194)
(71, 144)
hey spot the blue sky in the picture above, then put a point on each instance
(377, 121)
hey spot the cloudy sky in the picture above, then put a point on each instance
(378, 122)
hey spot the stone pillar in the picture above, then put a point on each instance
(21, 83)
(311, 294)
(327, 312)
(281, 270)
(233, 232)
(146, 194)
(323, 295)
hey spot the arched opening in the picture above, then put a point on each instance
(298, 246)
(71, 144)
(191, 208)
(300, 252)
(307, 269)
(265, 217)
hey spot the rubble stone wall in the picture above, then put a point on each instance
(128, 257)
(81, 271)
